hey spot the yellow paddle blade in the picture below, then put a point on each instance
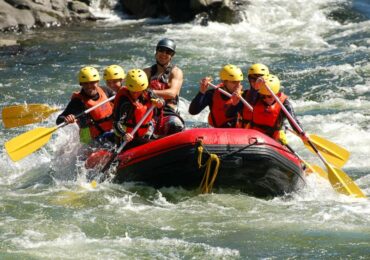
(320, 171)
(332, 152)
(330, 147)
(19, 115)
(342, 183)
(312, 168)
(27, 143)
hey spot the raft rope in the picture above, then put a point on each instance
(239, 150)
(209, 178)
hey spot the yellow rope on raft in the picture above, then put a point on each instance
(208, 179)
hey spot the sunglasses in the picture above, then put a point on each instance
(266, 96)
(165, 50)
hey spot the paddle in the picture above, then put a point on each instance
(29, 142)
(19, 115)
(229, 95)
(120, 148)
(313, 168)
(340, 181)
(333, 153)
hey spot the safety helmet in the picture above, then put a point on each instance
(231, 72)
(88, 74)
(258, 69)
(136, 80)
(167, 43)
(114, 72)
(273, 82)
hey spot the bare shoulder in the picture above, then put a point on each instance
(177, 72)
(147, 71)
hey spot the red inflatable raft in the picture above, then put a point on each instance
(212, 157)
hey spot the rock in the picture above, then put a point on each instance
(226, 11)
(8, 42)
(11, 18)
(200, 5)
(179, 11)
(142, 8)
(8, 47)
(16, 15)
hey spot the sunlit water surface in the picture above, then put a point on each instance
(320, 51)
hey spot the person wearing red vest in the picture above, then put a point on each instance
(130, 105)
(98, 123)
(217, 102)
(250, 95)
(165, 79)
(267, 116)
(114, 76)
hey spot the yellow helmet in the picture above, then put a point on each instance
(114, 72)
(136, 80)
(231, 72)
(258, 69)
(273, 82)
(88, 74)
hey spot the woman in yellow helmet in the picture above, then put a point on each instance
(218, 102)
(250, 95)
(98, 123)
(131, 103)
(267, 115)
(114, 76)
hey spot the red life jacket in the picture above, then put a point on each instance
(265, 118)
(217, 115)
(101, 117)
(246, 115)
(139, 110)
(160, 82)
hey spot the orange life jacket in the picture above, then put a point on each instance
(217, 115)
(100, 119)
(139, 110)
(246, 115)
(265, 118)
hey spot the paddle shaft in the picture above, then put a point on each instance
(229, 95)
(295, 124)
(120, 148)
(87, 111)
(324, 149)
(347, 186)
(291, 119)
(29, 142)
(96, 106)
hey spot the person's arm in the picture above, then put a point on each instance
(290, 109)
(74, 107)
(175, 83)
(200, 101)
(148, 71)
(122, 111)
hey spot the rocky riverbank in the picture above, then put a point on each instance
(20, 15)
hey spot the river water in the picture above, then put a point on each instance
(320, 51)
